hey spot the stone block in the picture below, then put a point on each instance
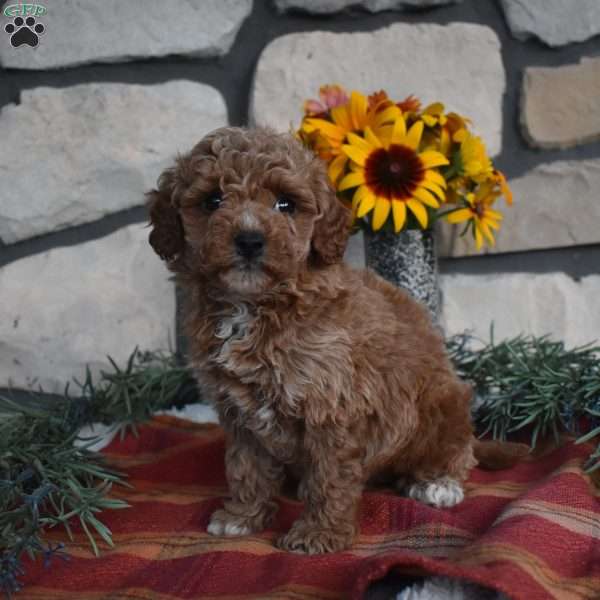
(333, 6)
(80, 31)
(527, 303)
(554, 22)
(72, 155)
(560, 106)
(71, 306)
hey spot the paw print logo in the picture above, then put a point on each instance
(24, 31)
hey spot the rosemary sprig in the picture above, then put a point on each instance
(535, 383)
(46, 481)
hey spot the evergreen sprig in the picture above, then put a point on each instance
(534, 383)
(49, 476)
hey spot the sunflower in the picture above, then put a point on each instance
(482, 217)
(352, 116)
(475, 163)
(390, 174)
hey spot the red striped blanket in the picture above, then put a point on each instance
(532, 532)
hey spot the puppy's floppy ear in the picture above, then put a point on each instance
(166, 236)
(331, 231)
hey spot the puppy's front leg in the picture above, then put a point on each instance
(331, 489)
(255, 478)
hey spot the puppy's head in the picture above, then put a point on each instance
(247, 209)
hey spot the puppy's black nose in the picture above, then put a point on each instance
(250, 244)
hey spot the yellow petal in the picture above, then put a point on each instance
(458, 216)
(358, 155)
(429, 120)
(366, 204)
(341, 117)
(385, 135)
(382, 210)
(413, 137)
(386, 116)
(359, 195)
(486, 232)
(435, 188)
(473, 167)
(358, 110)
(361, 143)
(436, 178)
(419, 211)
(460, 135)
(351, 180)
(372, 138)
(433, 159)
(399, 131)
(399, 214)
(331, 130)
(445, 143)
(494, 214)
(478, 238)
(437, 108)
(426, 197)
(336, 166)
(493, 224)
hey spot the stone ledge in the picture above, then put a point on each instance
(560, 106)
(75, 305)
(115, 31)
(94, 149)
(526, 303)
(459, 64)
(555, 205)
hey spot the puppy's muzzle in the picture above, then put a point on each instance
(250, 245)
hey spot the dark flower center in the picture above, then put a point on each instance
(394, 173)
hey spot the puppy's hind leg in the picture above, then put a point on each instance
(440, 457)
(441, 493)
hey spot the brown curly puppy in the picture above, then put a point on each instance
(314, 367)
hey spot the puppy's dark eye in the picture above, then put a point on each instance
(285, 204)
(213, 201)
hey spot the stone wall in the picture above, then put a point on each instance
(114, 90)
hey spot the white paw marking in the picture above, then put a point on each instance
(233, 529)
(440, 493)
(217, 527)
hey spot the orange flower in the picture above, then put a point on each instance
(410, 104)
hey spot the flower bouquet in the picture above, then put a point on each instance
(400, 167)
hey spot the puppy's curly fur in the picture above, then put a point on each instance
(314, 368)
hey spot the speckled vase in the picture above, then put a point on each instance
(408, 260)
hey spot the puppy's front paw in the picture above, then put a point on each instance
(304, 539)
(441, 493)
(224, 523)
